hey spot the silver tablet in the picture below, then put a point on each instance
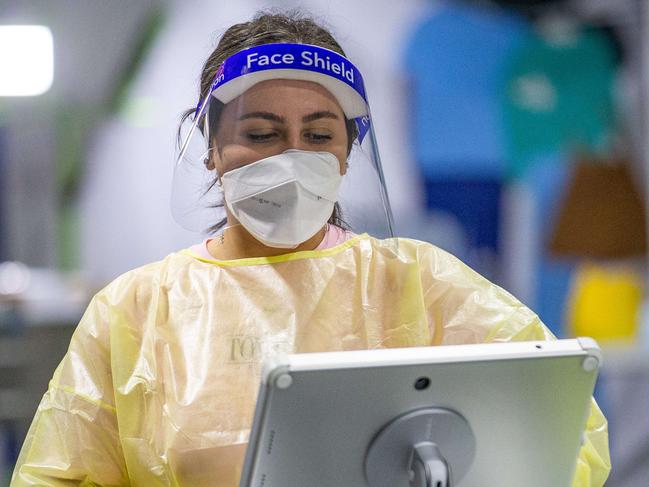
(506, 415)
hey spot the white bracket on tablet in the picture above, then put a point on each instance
(439, 442)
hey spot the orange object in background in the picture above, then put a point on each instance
(602, 214)
(605, 303)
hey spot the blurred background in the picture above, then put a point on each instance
(512, 134)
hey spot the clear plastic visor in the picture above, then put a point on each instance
(286, 146)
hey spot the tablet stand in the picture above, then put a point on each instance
(437, 443)
(427, 467)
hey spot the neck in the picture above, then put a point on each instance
(237, 243)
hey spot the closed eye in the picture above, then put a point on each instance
(261, 137)
(317, 138)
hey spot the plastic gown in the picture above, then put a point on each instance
(159, 384)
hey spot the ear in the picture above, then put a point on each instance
(213, 159)
(209, 161)
(343, 168)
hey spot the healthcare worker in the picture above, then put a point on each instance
(159, 384)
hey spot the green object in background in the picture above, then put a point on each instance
(558, 96)
(4, 117)
(148, 32)
(75, 127)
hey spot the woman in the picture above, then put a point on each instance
(159, 383)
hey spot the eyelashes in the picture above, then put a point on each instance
(319, 138)
(260, 138)
(266, 137)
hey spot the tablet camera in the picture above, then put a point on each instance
(422, 383)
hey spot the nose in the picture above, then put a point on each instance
(294, 140)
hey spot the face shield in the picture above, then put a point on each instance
(283, 143)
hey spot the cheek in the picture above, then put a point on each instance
(341, 155)
(343, 167)
(233, 156)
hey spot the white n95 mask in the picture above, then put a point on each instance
(285, 199)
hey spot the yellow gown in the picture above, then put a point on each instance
(159, 384)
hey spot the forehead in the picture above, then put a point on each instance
(286, 97)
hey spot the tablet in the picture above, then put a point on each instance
(502, 414)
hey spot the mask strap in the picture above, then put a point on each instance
(206, 125)
(205, 157)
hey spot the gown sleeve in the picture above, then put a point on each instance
(74, 438)
(464, 307)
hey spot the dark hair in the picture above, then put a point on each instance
(266, 28)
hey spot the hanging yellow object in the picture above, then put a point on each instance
(605, 303)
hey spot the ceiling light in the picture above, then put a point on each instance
(26, 60)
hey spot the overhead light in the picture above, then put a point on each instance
(26, 60)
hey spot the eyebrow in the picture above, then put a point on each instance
(265, 115)
(321, 114)
(276, 118)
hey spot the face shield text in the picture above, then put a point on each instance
(307, 59)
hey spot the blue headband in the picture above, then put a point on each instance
(336, 73)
